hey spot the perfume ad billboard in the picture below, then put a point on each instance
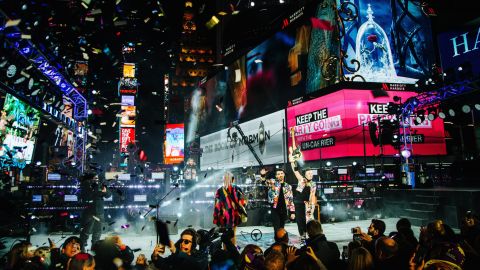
(227, 149)
(331, 126)
(392, 40)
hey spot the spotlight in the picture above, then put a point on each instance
(451, 112)
(329, 163)
(354, 163)
(466, 108)
(175, 168)
(74, 163)
(406, 153)
(38, 163)
(179, 215)
(477, 107)
(89, 112)
(252, 4)
(432, 114)
(442, 115)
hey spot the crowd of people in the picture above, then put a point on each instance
(438, 247)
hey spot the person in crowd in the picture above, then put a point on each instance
(280, 198)
(360, 259)
(229, 205)
(386, 254)
(405, 238)
(306, 260)
(252, 258)
(112, 253)
(184, 254)
(44, 256)
(325, 250)
(141, 263)
(375, 231)
(20, 255)
(275, 261)
(281, 242)
(81, 261)
(470, 239)
(59, 257)
(92, 194)
(304, 198)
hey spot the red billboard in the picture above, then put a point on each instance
(127, 136)
(331, 126)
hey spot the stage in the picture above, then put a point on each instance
(339, 233)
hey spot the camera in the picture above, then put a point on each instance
(355, 230)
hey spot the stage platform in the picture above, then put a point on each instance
(339, 233)
(423, 205)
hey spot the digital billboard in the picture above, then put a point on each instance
(127, 136)
(460, 49)
(174, 144)
(128, 116)
(128, 86)
(129, 70)
(392, 41)
(19, 125)
(265, 135)
(331, 126)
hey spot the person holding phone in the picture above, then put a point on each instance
(229, 209)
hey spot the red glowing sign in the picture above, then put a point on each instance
(127, 136)
(331, 126)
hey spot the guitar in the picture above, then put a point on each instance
(294, 151)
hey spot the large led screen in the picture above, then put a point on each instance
(127, 136)
(19, 125)
(174, 144)
(128, 116)
(392, 40)
(265, 135)
(331, 126)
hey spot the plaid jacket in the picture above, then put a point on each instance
(274, 193)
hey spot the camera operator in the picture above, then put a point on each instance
(92, 194)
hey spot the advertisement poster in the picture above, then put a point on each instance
(331, 126)
(392, 40)
(19, 124)
(128, 70)
(227, 149)
(174, 144)
(128, 86)
(127, 136)
(128, 116)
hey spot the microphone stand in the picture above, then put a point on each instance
(157, 206)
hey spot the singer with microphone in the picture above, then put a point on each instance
(92, 194)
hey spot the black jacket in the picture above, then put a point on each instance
(92, 196)
(325, 250)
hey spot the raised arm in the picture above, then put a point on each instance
(298, 175)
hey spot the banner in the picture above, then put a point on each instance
(265, 135)
(331, 126)
(174, 144)
(128, 116)
(127, 136)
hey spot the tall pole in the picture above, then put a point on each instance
(364, 146)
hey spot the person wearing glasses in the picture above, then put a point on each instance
(229, 208)
(92, 194)
(184, 254)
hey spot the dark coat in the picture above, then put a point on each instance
(325, 250)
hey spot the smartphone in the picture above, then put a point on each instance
(355, 230)
(162, 233)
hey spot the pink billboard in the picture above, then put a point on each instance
(331, 126)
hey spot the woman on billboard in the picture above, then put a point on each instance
(229, 209)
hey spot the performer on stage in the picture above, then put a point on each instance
(230, 205)
(280, 198)
(304, 198)
(92, 194)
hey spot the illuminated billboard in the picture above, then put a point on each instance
(19, 125)
(174, 144)
(265, 135)
(128, 86)
(392, 41)
(128, 116)
(129, 70)
(331, 126)
(127, 136)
